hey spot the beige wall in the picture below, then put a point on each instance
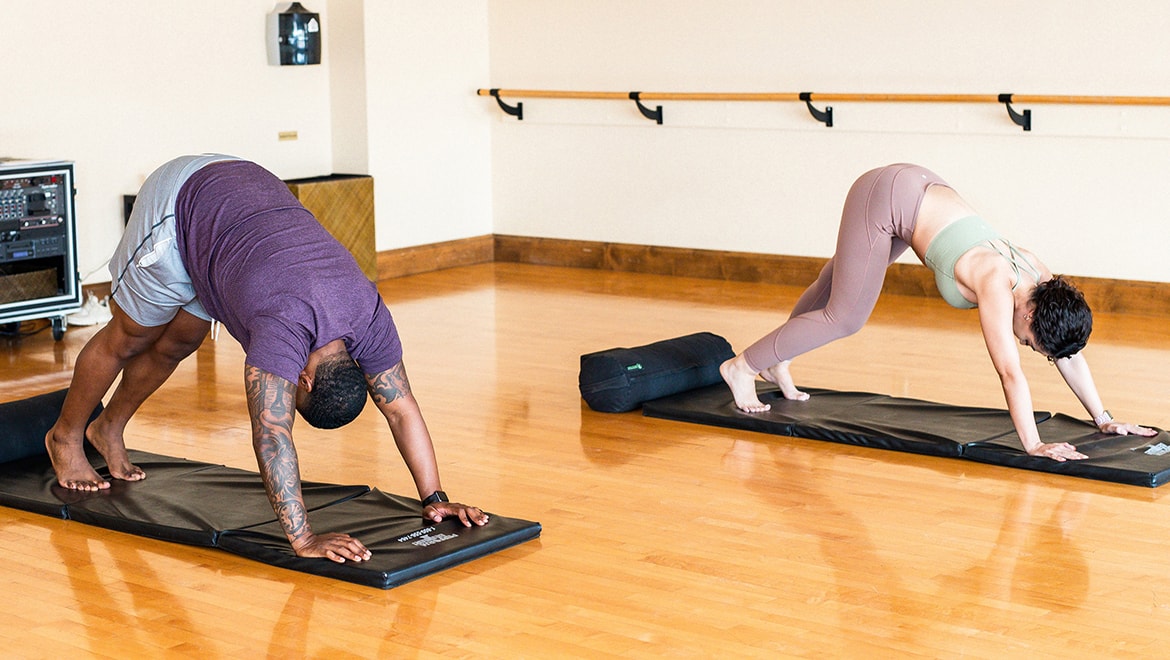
(119, 87)
(429, 137)
(1085, 188)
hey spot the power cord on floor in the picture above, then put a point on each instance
(103, 265)
(20, 330)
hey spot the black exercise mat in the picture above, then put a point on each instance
(985, 435)
(24, 424)
(25, 472)
(204, 504)
(188, 501)
(210, 505)
(1127, 459)
(29, 484)
(404, 546)
(854, 418)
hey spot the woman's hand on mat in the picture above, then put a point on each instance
(1121, 428)
(468, 515)
(337, 547)
(1057, 451)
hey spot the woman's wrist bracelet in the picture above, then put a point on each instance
(1103, 418)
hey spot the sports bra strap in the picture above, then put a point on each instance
(1014, 257)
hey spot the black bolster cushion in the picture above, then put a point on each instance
(24, 424)
(621, 379)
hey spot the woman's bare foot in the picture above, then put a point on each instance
(72, 467)
(112, 447)
(777, 374)
(742, 380)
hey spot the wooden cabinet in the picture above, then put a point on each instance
(344, 204)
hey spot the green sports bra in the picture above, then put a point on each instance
(954, 241)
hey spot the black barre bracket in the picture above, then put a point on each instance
(1022, 120)
(653, 115)
(516, 111)
(825, 116)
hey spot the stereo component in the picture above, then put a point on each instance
(38, 244)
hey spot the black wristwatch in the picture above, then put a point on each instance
(434, 498)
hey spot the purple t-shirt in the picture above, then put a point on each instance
(263, 266)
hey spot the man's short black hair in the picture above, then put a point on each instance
(1061, 321)
(338, 394)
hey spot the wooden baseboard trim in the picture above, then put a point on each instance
(687, 262)
(436, 256)
(1103, 295)
(101, 290)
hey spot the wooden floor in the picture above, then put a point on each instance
(660, 538)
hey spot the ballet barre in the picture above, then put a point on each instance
(825, 116)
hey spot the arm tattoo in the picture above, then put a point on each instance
(271, 405)
(390, 385)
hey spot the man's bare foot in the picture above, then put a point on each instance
(742, 380)
(72, 467)
(113, 448)
(777, 374)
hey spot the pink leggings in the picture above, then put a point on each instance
(876, 225)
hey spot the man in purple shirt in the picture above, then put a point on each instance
(216, 239)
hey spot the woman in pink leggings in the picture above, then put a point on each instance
(899, 206)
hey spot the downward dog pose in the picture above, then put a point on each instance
(899, 206)
(215, 237)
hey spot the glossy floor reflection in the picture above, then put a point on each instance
(660, 538)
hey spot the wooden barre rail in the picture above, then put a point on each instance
(825, 116)
(997, 98)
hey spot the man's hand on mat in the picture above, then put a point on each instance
(468, 515)
(337, 547)
(1121, 428)
(1057, 451)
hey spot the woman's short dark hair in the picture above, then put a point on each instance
(338, 394)
(1061, 320)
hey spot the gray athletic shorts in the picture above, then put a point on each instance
(149, 281)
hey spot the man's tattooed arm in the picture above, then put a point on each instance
(390, 390)
(390, 385)
(271, 402)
